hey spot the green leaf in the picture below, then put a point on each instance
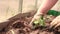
(42, 22)
(36, 22)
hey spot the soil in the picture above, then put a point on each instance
(21, 26)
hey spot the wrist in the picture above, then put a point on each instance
(42, 11)
(39, 13)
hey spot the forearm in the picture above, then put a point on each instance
(46, 5)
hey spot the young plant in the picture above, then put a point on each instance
(40, 22)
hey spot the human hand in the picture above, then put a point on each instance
(55, 22)
(36, 17)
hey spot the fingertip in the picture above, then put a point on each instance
(57, 25)
(51, 23)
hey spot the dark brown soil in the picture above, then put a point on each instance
(21, 26)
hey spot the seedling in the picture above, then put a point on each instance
(39, 22)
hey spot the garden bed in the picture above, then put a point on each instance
(19, 24)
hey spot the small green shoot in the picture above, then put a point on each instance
(40, 22)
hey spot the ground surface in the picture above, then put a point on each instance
(21, 26)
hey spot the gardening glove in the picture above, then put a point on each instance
(56, 22)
